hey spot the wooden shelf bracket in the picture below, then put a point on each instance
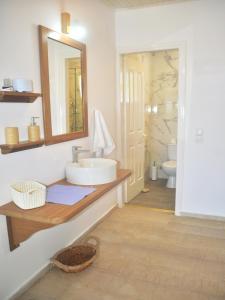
(19, 230)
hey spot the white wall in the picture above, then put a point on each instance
(201, 25)
(19, 54)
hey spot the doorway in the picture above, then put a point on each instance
(149, 86)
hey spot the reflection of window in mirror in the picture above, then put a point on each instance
(65, 88)
(74, 95)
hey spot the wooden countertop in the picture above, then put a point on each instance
(57, 213)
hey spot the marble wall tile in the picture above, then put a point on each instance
(161, 122)
(160, 70)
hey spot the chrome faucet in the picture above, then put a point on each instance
(76, 150)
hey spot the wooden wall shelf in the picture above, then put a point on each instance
(23, 223)
(18, 97)
(6, 149)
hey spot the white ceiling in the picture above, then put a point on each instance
(139, 3)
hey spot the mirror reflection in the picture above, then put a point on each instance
(65, 82)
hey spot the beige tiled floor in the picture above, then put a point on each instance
(146, 254)
(159, 196)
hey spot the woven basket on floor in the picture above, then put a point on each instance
(76, 258)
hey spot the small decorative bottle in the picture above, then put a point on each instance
(34, 131)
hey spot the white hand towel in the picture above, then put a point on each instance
(101, 138)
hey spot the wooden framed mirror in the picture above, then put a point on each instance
(64, 86)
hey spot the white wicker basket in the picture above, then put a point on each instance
(28, 194)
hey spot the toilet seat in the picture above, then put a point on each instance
(170, 164)
(170, 167)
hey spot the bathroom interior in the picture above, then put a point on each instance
(126, 170)
(159, 70)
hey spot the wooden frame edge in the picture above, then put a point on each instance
(44, 34)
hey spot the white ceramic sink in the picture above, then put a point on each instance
(91, 171)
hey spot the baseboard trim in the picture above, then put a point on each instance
(28, 284)
(47, 267)
(201, 216)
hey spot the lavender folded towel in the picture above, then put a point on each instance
(67, 194)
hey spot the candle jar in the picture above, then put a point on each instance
(12, 135)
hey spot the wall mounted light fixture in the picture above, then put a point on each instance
(65, 22)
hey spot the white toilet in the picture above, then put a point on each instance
(169, 167)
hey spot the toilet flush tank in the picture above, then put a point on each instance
(172, 151)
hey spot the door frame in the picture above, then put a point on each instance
(183, 92)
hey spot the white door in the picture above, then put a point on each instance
(133, 121)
